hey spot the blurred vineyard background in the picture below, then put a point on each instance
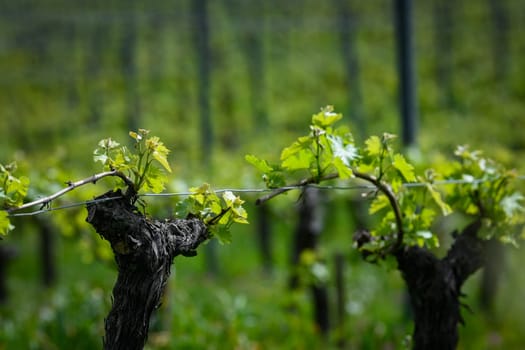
(219, 79)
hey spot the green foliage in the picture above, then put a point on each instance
(143, 170)
(12, 189)
(490, 193)
(325, 150)
(217, 212)
(140, 167)
(407, 209)
(12, 193)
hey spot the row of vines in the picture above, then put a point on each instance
(476, 193)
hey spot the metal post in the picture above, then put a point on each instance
(407, 84)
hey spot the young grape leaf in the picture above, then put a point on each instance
(379, 202)
(436, 196)
(158, 151)
(155, 180)
(373, 146)
(202, 189)
(302, 143)
(343, 170)
(299, 160)
(513, 204)
(346, 153)
(234, 203)
(406, 169)
(274, 180)
(231, 200)
(326, 117)
(5, 224)
(259, 164)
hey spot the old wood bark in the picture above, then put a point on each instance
(434, 286)
(144, 250)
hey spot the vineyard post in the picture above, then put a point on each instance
(405, 61)
(201, 37)
(129, 65)
(347, 24)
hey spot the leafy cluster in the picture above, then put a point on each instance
(324, 151)
(142, 170)
(490, 193)
(218, 213)
(12, 193)
(140, 167)
(415, 207)
(407, 202)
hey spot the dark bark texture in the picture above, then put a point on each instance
(434, 286)
(144, 250)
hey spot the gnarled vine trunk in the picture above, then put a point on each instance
(434, 286)
(144, 250)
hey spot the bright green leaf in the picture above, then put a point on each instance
(326, 117)
(184, 208)
(343, 171)
(513, 204)
(274, 180)
(299, 160)
(229, 198)
(427, 217)
(155, 180)
(161, 158)
(302, 143)
(347, 153)
(380, 202)
(260, 164)
(204, 188)
(5, 224)
(373, 146)
(406, 169)
(436, 196)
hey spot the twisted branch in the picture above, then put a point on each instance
(73, 185)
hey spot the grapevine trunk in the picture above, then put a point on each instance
(144, 250)
(434, 286)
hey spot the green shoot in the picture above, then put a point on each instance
(141, 167)
(217, 212)
(12, 193)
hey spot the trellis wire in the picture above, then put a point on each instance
(46, 209)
